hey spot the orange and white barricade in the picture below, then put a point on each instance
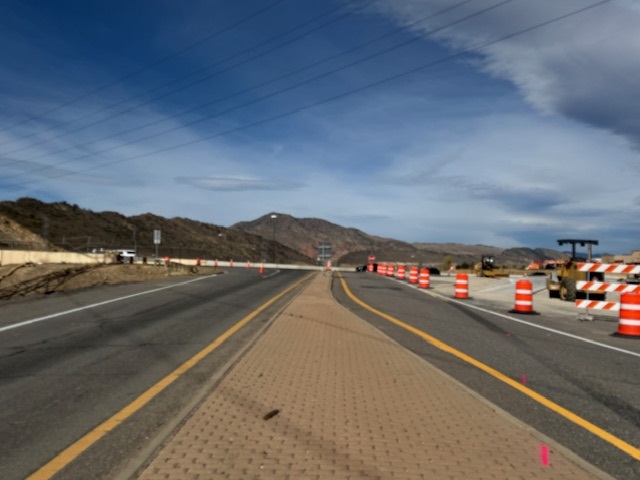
(524, 297)
(413, 274)
(598, 305)
(382, 269)
(603, 287)
(390, 270)
(401, 272)
(629, 305)
(629, 322)
(462, 286)
(609, 268)
(424, 280)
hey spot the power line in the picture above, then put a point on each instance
(259, 99)
(330, 99)
(143, 69)
(208, 117)
(193, 74)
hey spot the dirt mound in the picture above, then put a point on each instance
(31, 279)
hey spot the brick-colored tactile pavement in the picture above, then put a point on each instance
(351, 404)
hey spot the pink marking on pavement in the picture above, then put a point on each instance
(544, 455)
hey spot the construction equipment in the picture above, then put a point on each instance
(485, 268)
(562, 281)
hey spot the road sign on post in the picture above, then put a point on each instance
(156, 239)
(324, 252)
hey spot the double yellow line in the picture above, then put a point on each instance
(603, 434)
(76, 449)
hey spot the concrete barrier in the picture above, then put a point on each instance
(18, 257)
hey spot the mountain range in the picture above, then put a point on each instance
(28, 223)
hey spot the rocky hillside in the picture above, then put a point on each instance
(352, 247)
(30, 223)
(305, 234)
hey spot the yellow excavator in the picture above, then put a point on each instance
(486, 268)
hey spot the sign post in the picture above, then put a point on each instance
(156, 239)
(324, 253)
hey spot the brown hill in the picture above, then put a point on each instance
(32, 224)
(306, 234)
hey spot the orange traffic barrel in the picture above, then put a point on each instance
(424, 281)
(401, 272)
(413, 274)
(390, 270)
(370, 267)
(629, 323)
(382, 269)
(524, 297)
(462, 285)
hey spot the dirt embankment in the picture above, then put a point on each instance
(31, 279)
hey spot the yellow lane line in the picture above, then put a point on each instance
(76, 449)
(603, 434)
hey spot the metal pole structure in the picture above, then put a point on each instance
(135, 242)
(324, 252)
(273, 217)
(157, 238)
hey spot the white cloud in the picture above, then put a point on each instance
(584, 67)
(237, 183)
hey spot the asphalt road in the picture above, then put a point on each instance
(66, 373)
(599, 384)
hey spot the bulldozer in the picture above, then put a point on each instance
(562, 283)
(485, 268)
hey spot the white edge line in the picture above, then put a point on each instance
(87, 307)
(517, 320)
(271, 274)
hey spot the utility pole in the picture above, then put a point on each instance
(273, 217)
(157, 236)
(45, 227)
(135, 241)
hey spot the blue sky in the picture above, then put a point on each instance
(507, 123)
